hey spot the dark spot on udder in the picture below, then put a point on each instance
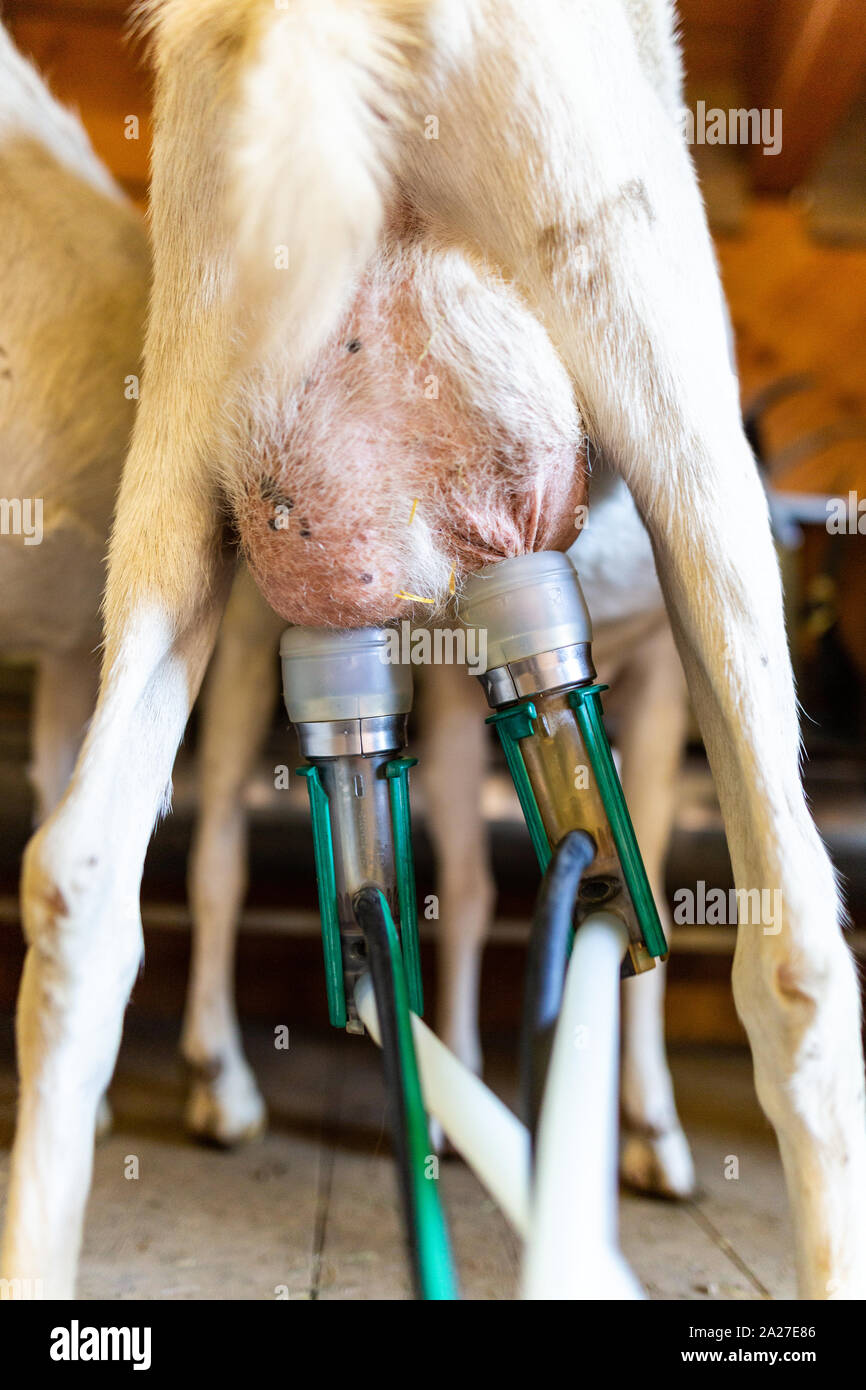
(354, 345)
(269, 492)
(365, 578)
(305, 529)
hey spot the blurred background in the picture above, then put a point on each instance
(790, 231)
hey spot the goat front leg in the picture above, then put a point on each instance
(452, 767)
(167, 582)
(648, 697)
(66, 686)
(225, 1106)
(592, 207)
(66, 689)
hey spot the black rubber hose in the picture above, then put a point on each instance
(545, 970)
(368, 911)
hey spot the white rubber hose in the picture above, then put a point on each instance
(573, 1251)
(491, 1139)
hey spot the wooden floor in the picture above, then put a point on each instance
(309, 1211)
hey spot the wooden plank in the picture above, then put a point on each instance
(90, 66)
(743, 1203)
(813, 68)
(363, 1254)
(798, 307)
(312, 1207)
(198, 1222)
(674, 1257)
(719, 14)
(712, 55)
(114, 12)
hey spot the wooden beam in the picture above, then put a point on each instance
(812, 69)
(91, 66)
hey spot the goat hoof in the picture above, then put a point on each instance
(227, 1111)
(658, 1165)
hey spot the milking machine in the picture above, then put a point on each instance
(595, 917)
(540, 682)
(350, 707)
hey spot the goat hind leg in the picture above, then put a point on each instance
(664, 407)
(80, 893)
(599, 221)
(224, 1104)
(167, 582)
(452, 768)
(66, 687)
(649, 697)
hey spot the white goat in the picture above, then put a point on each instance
(294, 191)
(64, 426)
(75, 275)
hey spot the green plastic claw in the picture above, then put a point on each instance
(586, 703)
(327, 886)
(512, 725)
(517, 723)
(437, 1269)
(397, 772)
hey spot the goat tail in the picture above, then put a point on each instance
(318, 104)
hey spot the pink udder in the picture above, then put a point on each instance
(435, 433)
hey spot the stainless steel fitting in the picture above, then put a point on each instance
(537, 626)
(350, 706)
